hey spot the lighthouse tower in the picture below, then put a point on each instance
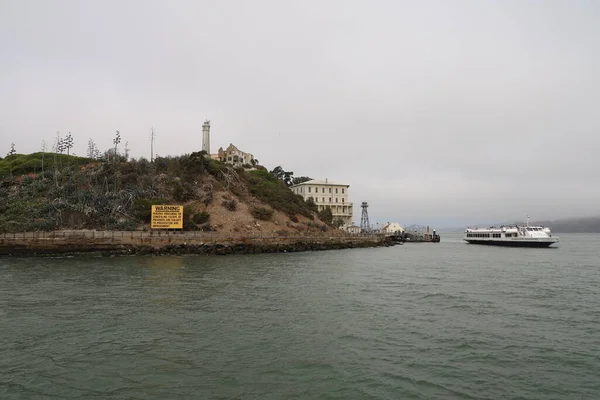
(206, 136)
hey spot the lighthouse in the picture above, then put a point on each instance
(206, 136)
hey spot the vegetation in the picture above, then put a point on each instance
(201, 218)
(47, 191)
(262, 213)
(230, 204)
(273, 191)
(285, 176)
(22, 164)
(326, 215)
(300, 179)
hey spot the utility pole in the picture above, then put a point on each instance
(152, 136)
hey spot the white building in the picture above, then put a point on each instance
(391, 228)
(354, 229)
(327, 194)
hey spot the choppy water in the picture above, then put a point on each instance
(419, 321)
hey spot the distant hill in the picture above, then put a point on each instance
(573, 225)
(565, 225)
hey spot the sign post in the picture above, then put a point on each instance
(167, 217)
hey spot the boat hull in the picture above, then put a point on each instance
(513, 243)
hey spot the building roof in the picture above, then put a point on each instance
(320, 182)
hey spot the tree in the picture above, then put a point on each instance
(285, 176)
(57, 144)
(92, 150)
(68, 143)
(12, 150)
(312, 206)
(326, 215)
(338, 222)
(116, 142)
(300, 179)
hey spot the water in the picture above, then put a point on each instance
(419, 321)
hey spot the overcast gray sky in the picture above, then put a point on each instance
(441, 112)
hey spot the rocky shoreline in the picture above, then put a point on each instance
(67, 247)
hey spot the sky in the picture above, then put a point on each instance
(440, 112)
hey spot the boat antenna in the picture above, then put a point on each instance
(528, 221)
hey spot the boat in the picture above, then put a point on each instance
(512, 235)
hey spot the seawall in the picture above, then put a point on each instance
(137, 242)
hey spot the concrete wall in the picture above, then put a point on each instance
(122, 241)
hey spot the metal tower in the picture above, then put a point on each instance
(364, 219)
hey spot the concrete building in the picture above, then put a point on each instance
(234, 156)
(328, 194)
(392, 228)
(206, 136)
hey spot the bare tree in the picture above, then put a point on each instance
(92, 149)
(68, 143)
(116, 142)
(12, 150)
(55, 146)
(10, 153)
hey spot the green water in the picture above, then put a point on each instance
(419, 321)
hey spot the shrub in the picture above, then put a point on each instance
(201, 218)
(262, 213)
(326, 215)
(183, 191)
(142, 208)
(293, 218)
(230, 204)
(188, 224)
(272, 191)
(206, 228)
(312, 206)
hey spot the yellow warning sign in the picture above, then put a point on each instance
(167, 217)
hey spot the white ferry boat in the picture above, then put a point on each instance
(516, 236)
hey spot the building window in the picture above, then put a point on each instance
(316, 189)
(329, 190)
(336, 199)
(336, 190)
(323, 198)
(322, 190)
(342, 191)
(309, 189)
(343, 198)
(316, 199)
(330, 199)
